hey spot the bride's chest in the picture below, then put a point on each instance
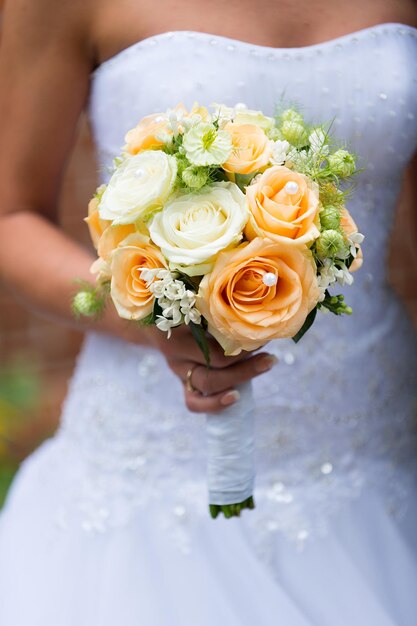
(364, 83)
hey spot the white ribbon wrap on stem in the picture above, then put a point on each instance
(230, 450)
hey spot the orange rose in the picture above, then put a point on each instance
(259, 291)
(284, 206)
(145, 135)
(111, 238)
(195, 110)
(349, 226)
(251, 148)
(95, 224)
(130, 293)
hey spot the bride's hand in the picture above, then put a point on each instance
(209, 389)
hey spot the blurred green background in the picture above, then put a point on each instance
(18, 392)
(19, 399)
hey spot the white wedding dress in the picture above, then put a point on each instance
(107, 522)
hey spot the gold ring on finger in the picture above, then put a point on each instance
(188, 383)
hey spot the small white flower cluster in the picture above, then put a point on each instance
(224, 114)
(331, 273)
(176, 301)
(180, 121)
(306, 160)
(300, 159)
(280, 152)
(318, 142)
(355, 239)
(177, 122)
(335, 270)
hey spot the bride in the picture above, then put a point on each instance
(106, 523)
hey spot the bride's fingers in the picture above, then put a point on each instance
(182, 346)
(218, 358)
(213, 381)
(210, 404)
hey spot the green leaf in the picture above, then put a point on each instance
(157, 309)
(306, 326)
(349, 260)
(149, 320)
(201, 340)
(190, 282)
(243, 180)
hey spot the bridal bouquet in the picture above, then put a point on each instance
(233, 223)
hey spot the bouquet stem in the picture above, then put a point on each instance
(230, 456)
(231, 510)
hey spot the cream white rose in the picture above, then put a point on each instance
(139, 186)
(240, 114)
(193, 228)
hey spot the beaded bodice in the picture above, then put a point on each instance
(338, 413)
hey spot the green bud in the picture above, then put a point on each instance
(294, 133)
(274, 133)
(85, 303)
(195, 177)
(291, 115)
(182, 163)
(342, 163)
(330, 243)
(330, 218)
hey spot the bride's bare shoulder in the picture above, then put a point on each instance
(45, 63)
(46, 25)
